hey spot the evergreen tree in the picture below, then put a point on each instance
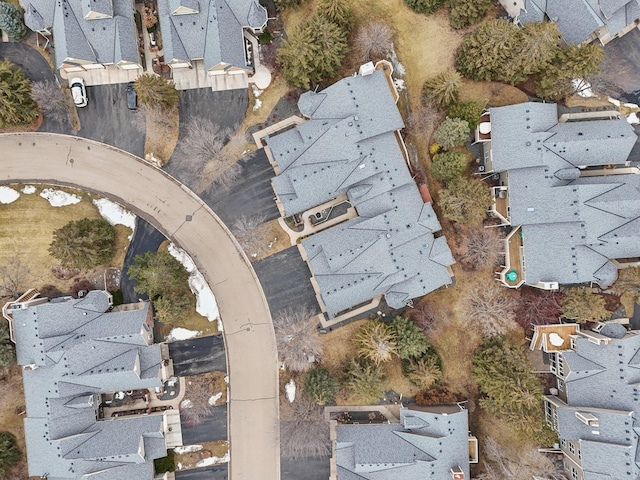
(453, 132)
(364, 380)
(449, 165)
(425, 6)
(16, 105)
(424, 372)
(313, 52)
(9, 453)
(321, 385)
(7, 356)
(337, 11)
(539, 46)
(156, 91)
(11, 21)
(465, 200)
(468, 111)
(84, 243)
(581, 305)
(569, 63)
(411, 342)
(490, 53)
(157, 274)
(376, 341)
(628, 282)
(443, 88)
(467, 12)
(282, 4)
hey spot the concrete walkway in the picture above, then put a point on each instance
(188, 222)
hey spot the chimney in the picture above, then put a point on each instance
(457, 473)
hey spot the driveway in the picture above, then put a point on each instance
(198, 355)
(107, 119)
(217, 472)
(625, 51)
(188, 222)
(212, 429)
(285, 278)
(146, 238)
(305, 469)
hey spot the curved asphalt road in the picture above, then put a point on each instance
(182, 217)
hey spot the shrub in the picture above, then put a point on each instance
(465, 200)
(411, 342)
(165, 464)
(9, 453)
(376, 341)
(84, 243)
(16, 105)
(11, 21)
(321, 385)
(364, 380)
(468, 111)
(425, 6)
(453, 132)
(424, 372)
(467, 12)
(581, 305)
(448, 165)
(442, 88)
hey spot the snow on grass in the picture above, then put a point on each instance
(290, 390)
(58, 198)
(180, 333)
(213, 461)
(186, 403)
(256, 91)
(614, 101)
(188, 449)
(215, 398)
(8, 195)
(399, 83)
(29, 189)
(633, 119)
(205, 301)
(582, 88)
(115, 214)
(257, 105)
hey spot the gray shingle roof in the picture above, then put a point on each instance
(571, 225)
(578, 19)
(603, 381)
(107, 40)
(213, 34)
(80, 350)
(410, 450)
(349, 146)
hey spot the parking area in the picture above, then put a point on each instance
(310, 468)
(198, 355)
(625, 51)
(217, 472)
(212, 429)
(285, 279)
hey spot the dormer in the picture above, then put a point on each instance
(588, 419)
(457, 473)
(184, 7)
(97, 9)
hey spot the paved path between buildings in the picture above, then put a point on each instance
(186, 220)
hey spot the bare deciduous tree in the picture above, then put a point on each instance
(297, 339)
(195, 408)
(51, 100)
(489, 308)
(426, 315)
(374, 41)
(249, 232)
(481, 248)
(303, 430)
(423, 120)
(530, 464)
(13, 277)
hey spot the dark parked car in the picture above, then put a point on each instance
(132, 97)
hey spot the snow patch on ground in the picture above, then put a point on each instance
(290, 390)
(213, 461)
(186, 403)
(399, 83)
(614, 101)
(181, 334)
(631, 105)
(205, 301)
(633, 119)
(257, 105)
(583, 88)
(8, 195)
(398, 68)
(115, 214)
(215, 398)
(29, 189)
(188, 449)
(256, 91)
(58, 198)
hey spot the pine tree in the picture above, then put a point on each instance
(581, 305)
(425, 6)
(469, 111)
(9, 453)
(376, 341)
(156, 91)
(84, 243)
(465, 200)
(628, 281)
(453, 132)
(443, 88)
(364, 380)
(7, 356)
(157, 274)
(539, 46)
(338, 12)
(424, 372)
(11, 21)
(16, 105)
(467, 12)
(411, 342)
(449, 165)
(321, 385)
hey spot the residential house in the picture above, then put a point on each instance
(350, 151)
(216, 35)
(595, 407)
(89, 34)
(579, 20)
(565, 188)
(75, 354)
(427, 443)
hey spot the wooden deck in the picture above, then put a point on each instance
(513, 259)
(502, 207)
(541, 335)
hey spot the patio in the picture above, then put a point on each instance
(513, 273)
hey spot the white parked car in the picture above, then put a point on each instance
(79, 92)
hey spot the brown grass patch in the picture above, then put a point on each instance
(12, 394)
(338, 347)
(269, 99)
(188, 461)
(161, 138)
(275, 239)
(576, 100)
(494, 93)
